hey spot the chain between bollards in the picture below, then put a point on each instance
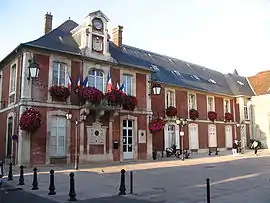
(52, 186)
(122, 188)
(208, 190)
(131, 182)
(72, 193)
(21, 179)
(35, 181)
(10, 175)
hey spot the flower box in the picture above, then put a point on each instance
(228, 116)
(171, 111)
(212, 115)
(30, 120)
(193, 114)
(129, 102)
(59, 93)
(115, 97)
(91, 94)
(156, 125)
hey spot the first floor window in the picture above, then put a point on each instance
(58, 136)
(192, 101)
(170, 98)
(210, 104)
(13, 78)
(96, 79)
(59, 73)
(227, 106)
(128, 84)
(246, 110)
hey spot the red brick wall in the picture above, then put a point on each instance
(116, 76)
(116, 137)
(158, 103)
(220, 135)
(248, 133)
(219, 107)
(203, 135)
(75, 71)
(202, 106)
(142, 147)
(141, 91)
(181, 103)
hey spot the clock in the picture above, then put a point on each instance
(98, 24)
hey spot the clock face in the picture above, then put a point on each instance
(98, 24)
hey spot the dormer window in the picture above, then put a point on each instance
(212, 81)
(240, 83)
(195, 77)
(154, 67)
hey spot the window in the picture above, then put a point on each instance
(192, 101)
(170, 98)
(58, 136)
(246, 110)
(171, 136)
(212, 81)
(96, 79)
(9, 137)
(128, 84)
(227, 106)
(210, 104)
(13, 79)
(59, 73)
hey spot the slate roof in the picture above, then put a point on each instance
(165, 69)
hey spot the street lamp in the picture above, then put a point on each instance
(181, 122)
(83, 117)
(156, 89)
(33, 69)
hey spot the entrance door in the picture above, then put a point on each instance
(171, 136)
(127, 139)
(229, 136)
(193, 136)
(212, 135)
(9, 137)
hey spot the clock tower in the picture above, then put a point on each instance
(92, 36)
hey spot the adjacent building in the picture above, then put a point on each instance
(34, 110)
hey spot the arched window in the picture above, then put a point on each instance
(96, 79)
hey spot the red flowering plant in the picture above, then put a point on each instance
(59, 93)
(115, 97)
(193, 114)
(156, 125)
(171, 111)
(228, 116)
(91, 94)
(129, 102)
(212, 115)
(30, 120)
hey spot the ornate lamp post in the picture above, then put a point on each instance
(83, 117)
(33, 69)
(181, 122)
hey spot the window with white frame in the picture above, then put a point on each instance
(12, 79)
(210, 104)
(192, 101)
(96, 79)
(171, 135)
(170, 98)
(246, 110)
(227, 106)
(59, 73)
(58, 136)
(128, 79)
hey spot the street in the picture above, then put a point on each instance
(240, 179)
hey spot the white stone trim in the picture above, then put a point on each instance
(61, 59)
(68, 132)
(149, 139)
(135, 135)
(148, 93)
(174, 97)
(10, 114)
(214, 108)
(14, 62)
(131, 73)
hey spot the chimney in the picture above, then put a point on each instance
(48, 22)
(117, 36)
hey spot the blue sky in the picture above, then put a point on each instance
(220, 34)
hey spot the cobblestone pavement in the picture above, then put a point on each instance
(241, 179)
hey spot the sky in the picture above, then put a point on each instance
(219, 34)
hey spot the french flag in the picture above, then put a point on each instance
(122, 87)
(117, 86)
(109, 82)
(85, 82)
(79, 82)
(69, 80)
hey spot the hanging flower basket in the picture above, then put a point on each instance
(115, 97)
(30, 120)
(59, 93)
(156, 125)
(171, 111)
(91, 94)
(129, 102)
(193, 114)
(228, 116)
(212, 115)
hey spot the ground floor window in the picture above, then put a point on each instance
(58, 136)
(171, 135)
(9, 137)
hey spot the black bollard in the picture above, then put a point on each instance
(72, 193)
(21, 179)
(131, 182)
(1, 169)
(122, 188)
(10, 175)
(35, 181)
(208, 190)
(52, 187)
